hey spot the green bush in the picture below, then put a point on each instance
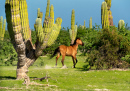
(126, 58)
(7, 52)
(108, 50)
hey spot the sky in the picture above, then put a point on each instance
(84, 9)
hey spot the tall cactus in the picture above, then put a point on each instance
(9, 22)
(55, 31)
(24, 19)
(108, 3)
(18, 25)
(39, 14)
(84, 24)
(110, 17)
(121, 24)
(104, 15)
(2, 28)
(90, 23)
(73, 30)
(52, 12)
(47, 9)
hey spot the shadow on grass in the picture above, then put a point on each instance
(84, 68)
(7, 78)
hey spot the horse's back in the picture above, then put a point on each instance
(66, 50)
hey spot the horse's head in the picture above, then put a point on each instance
(79, 42)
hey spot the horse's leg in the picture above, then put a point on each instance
(62, 61)
(73, 62)
(75, 59)
(57, 58)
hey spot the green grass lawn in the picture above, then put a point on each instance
(69, 79)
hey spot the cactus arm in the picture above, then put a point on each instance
(1, 30)
(90, 23)
(73, 30)
(39, 30)
(55, 31)
(72, 19)
(84, 24)
(39, 14)
(47, 9)
(46, 31)
(73, 33)
(24, 19)
(108, 3)
(52, 12)
(104, 15)
(121, 24)
(8, 20)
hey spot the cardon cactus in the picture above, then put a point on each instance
(73, 30)
(2, 28)
(47, 9)
(39, 14)
(121, 24)
(104, 15)
(24, 19)
(73, 34)
(52, 12)
(9, 22)
(90, 23)
(108, 3)
(55, 31)
(110, 17)
(84, 24)
(39, 30)
(18, 25)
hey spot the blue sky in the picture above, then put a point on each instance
(84, 9)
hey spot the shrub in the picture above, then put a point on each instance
(109, 49)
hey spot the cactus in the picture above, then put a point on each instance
(47, 9)
(9, 22)
(18, 25)
(39, 30)
(121, 24)
(104, 15)
(24, 19)
(73, 30)
(108, 3)
(2, 28)
(84, 24)
(110, 17)
(39, 14)
(52, 12)
(55, 31)
(90, 23)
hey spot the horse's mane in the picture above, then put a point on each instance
(74, 41)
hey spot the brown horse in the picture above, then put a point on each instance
(68, 51)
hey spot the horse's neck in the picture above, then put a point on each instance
(75, 46)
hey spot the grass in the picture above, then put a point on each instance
(69, 79)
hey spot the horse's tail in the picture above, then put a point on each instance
(55, 52)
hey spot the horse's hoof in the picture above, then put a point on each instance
(73, 67)
(64, 67)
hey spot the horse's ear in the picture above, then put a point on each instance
(77, 38)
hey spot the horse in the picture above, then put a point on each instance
(68, 51)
